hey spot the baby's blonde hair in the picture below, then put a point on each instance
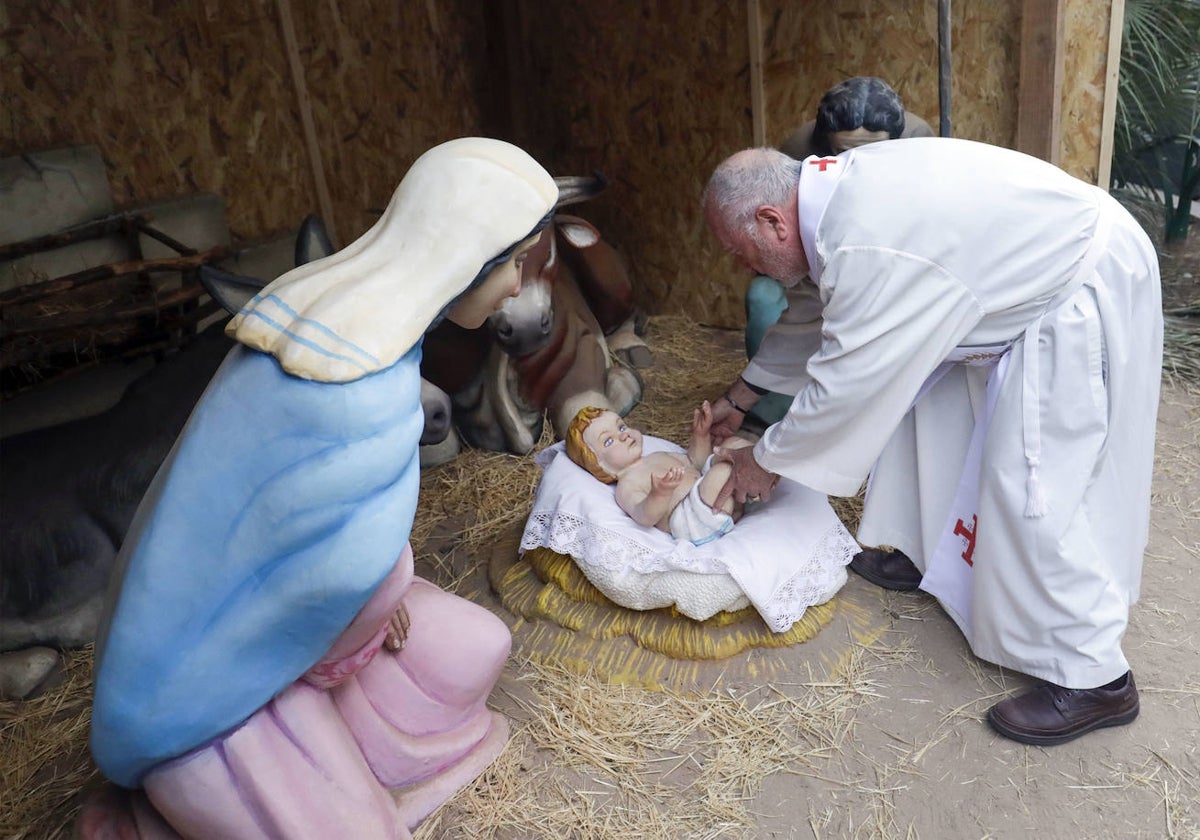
(580, 452)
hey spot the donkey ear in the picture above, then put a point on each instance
(312, 240)
(232, 291)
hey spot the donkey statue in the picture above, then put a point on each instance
(70, 491)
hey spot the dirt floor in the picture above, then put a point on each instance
(874, 728)
(884, 714)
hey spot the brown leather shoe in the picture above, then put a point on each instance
(1051, 714)
(889, 569)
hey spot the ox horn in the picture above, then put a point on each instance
(574, 189)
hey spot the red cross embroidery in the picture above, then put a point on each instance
(823, 162)
(961, 530)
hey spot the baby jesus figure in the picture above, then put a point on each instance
(666, 490)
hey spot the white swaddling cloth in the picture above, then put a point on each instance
(694, 520)
(783, 557)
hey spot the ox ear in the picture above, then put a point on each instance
(576, 231)
(232, 291)
(312, 240)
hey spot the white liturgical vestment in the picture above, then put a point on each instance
(924, 252)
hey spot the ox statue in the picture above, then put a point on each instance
(570, 338)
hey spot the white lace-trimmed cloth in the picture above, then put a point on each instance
(782, 557)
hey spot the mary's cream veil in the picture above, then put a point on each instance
(357, 311)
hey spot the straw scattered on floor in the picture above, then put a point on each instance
(44, 761)
(593, 760)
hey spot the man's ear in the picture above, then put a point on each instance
(771, 219)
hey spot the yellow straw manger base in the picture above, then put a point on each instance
(562, 619)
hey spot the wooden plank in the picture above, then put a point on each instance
(1039, 96)
(758, 118)
(45, 288)
(304, 103)
(1112, 73)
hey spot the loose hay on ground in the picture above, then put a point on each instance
(593, 760)
(44, 760)
(478, 495)
(1181, 347)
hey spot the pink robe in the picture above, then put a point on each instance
(366, 745)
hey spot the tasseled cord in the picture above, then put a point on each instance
(1035, 499)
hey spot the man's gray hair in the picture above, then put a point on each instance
(746, 181)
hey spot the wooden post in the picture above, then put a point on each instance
(758, 118)
(944, 69)
(1039, 98)
(306, 119)
(1112, 72)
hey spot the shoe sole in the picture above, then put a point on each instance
(1051, 740)
(886, 583)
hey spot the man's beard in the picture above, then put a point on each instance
(776, 266)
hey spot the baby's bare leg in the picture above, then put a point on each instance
(712, 482)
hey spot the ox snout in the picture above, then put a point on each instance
(521, 338)
(521, 330)
(435, 403)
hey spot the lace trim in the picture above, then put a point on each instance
(818, 581)
(567, 533)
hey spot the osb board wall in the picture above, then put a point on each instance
(809, 47)
(181, 97)
(655, 95)
(198, 96)
(652, 95)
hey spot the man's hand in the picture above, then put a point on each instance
(726, 420)
(747, 481)
(729, 410)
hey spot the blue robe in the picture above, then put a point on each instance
(283, 505)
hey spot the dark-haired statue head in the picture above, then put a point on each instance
(860, 110)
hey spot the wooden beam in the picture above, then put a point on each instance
(1112, 74)
(1039, 98)
(758, 118)
(304, 103)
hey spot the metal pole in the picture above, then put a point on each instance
(944, 68)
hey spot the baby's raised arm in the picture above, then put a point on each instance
(701, 444)
(646, 495)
